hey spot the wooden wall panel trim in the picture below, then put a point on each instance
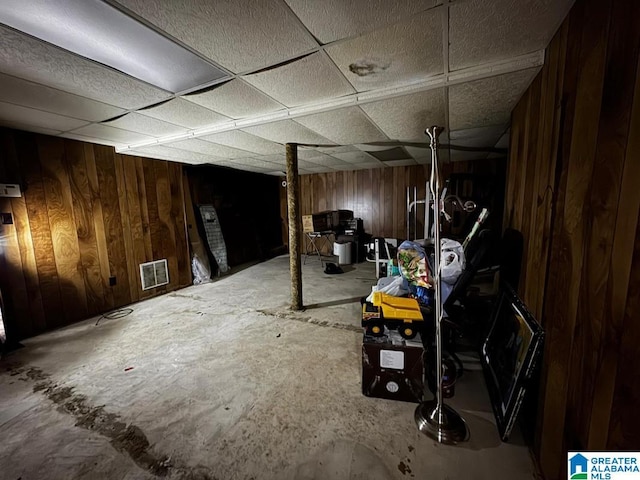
(150, 190)
(615, 209)
(144, 209)
(127, 208)
(40, 231)
(76, 170)
(63, 228)
(166, 230)
(178, 224)
(106, 169)
(99, 227)
(138, 254)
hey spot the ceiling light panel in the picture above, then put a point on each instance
(402, 53)
(287, 131)
(239, 36)
(202, 146)
(488, 101)
(26, 57)
(29, 94)
(344, 126)
(308, 80)
(96, 30)
(147, 125)
(112, 134)
(245, 141)
(482, 31)
(331, 20)
(184, 113)
(235, 99)
(37, 118)
(407, 117)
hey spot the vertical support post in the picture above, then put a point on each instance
(293, 194)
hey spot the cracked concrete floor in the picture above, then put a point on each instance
(221, 381)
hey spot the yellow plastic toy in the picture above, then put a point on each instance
(394, 312)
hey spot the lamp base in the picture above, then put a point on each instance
(442, 423)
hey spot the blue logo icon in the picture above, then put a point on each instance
(578, 467)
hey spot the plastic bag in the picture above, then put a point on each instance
(452, 261)
(413, 264)
(396, 286)
(201, 274)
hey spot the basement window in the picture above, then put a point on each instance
(154, 274)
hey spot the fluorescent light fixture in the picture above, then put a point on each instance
(99, 31)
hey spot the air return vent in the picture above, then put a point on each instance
(154, 274)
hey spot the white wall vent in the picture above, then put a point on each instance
(154, 274)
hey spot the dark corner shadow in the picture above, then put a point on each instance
(333, 303)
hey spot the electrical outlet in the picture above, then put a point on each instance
(112, 281)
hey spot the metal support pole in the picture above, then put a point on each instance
(295, 220)
(434, 418)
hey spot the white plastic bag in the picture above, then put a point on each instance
(452, 261)
(396, 286)
(201, 274)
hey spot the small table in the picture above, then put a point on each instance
(317, 240)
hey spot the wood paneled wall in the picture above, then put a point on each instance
(573, 189)
(379, 197)
(86, 214)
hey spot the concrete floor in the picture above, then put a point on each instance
(221, 381)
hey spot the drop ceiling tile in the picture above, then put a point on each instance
(235, 99)
(147, 125)
(330, 20)
(462, 156)
(112, 134)
(482, 31)
(175, 154)
(477, 137)
(503, 141)
(359, 166)
(201, 145)
(90, 139)
(355, 157)
(37, 118)
(397, 153)
(343, 126)
(287, 131)
(306, 153)
(407, 117)
(400, 163)
(28, 94)
(276, 173)
(337, 149)
(419, 153)
(28, 128)
(245, 141)
(326, 160)
(488, 101)
(186, 114)
(26, 57)
(308, 80)
(403, 53)
(240, 36)
(318, 169)
(306, 164)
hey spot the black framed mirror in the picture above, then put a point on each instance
(509, 355)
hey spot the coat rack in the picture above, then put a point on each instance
(434, 418)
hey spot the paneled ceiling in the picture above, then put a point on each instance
(229, 82)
